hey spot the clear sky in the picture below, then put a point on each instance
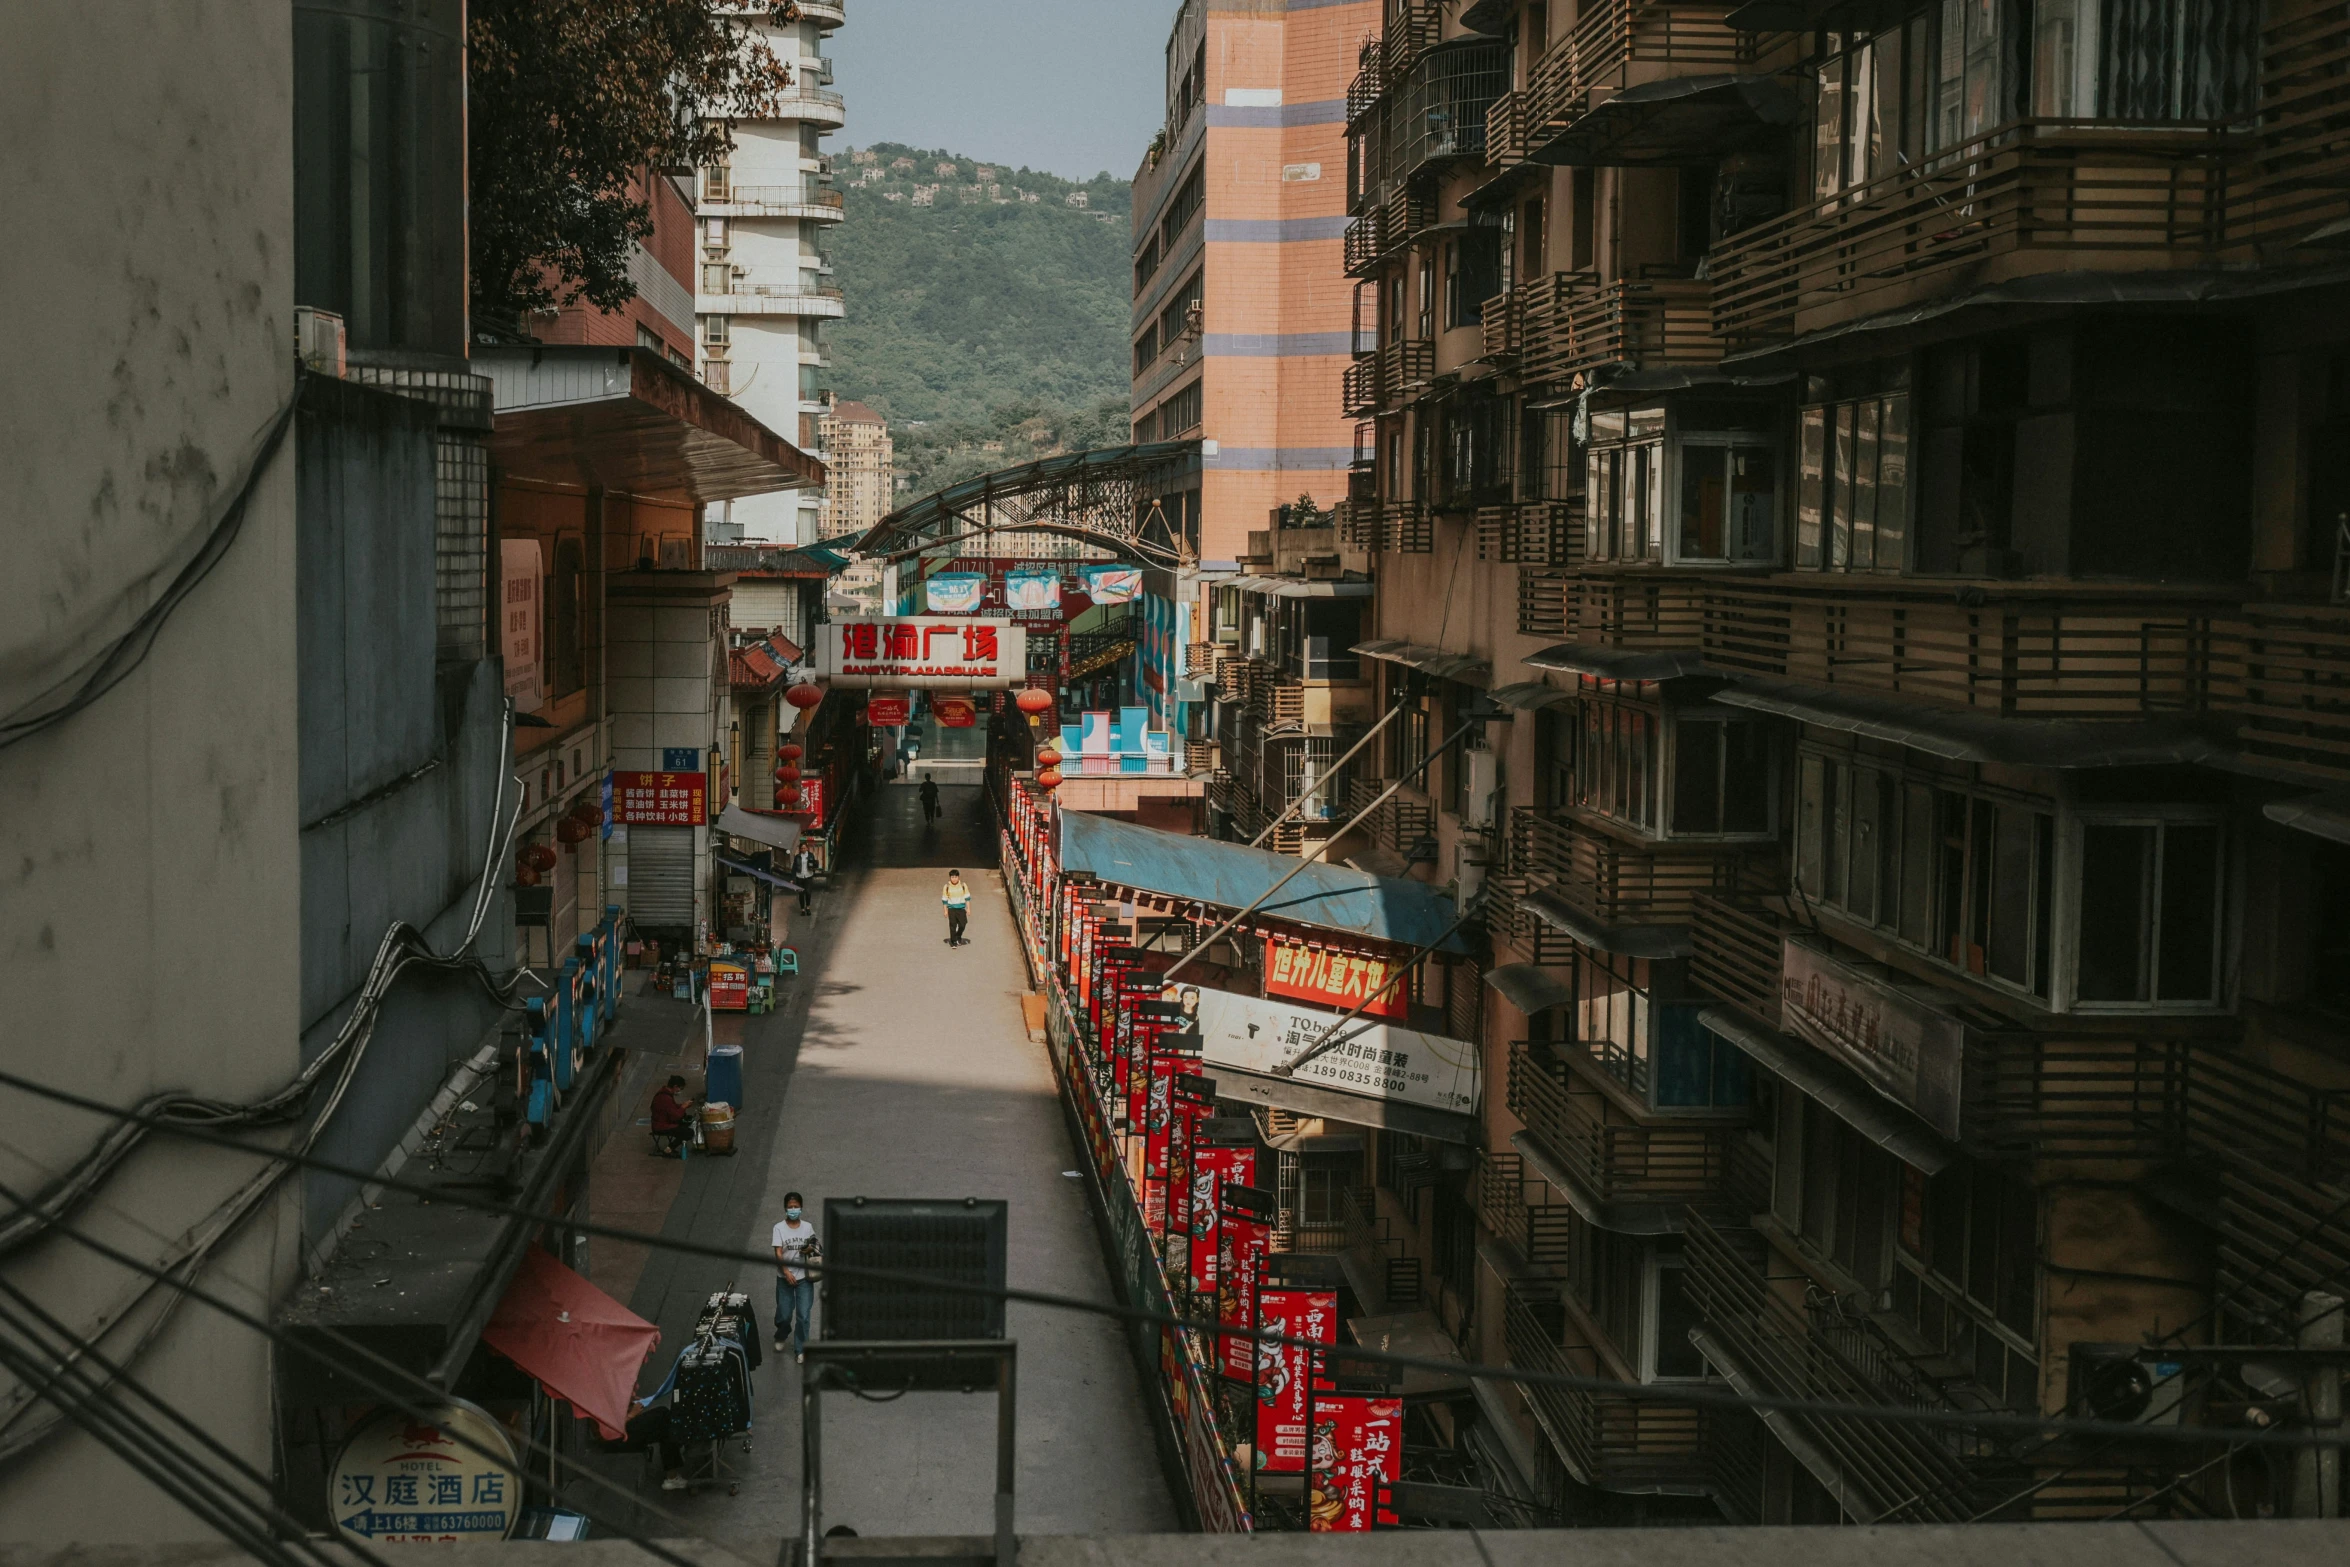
(1071, 87)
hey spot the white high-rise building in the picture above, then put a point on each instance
(766, 288)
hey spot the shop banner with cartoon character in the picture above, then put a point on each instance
(1244, 1222)
(1283, 1394)
(1358, 1453)
(1213, 1168)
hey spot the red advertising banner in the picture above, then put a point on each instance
(661, 799)
(1358, 1451)
(1244, 1221)
(1307, 972)
(888, 712)
(811, 802)
(1212, 1169)
(954, 712)
(1195, 1100)
(1282, 1392)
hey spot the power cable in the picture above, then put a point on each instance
(1677, 1394)
(384, 1378)
(115, 662)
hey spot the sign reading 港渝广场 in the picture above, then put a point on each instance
(403, 1481)
(1372, 1058)
(1885, 1028)
(923, 652)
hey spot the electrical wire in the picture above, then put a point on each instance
(385, 1379)
(1674, 1393)
(115, 662)
(402, 947)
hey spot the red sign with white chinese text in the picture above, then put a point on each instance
(1281, 1371)
(888, 712)
(1213, 1168)
(1333, 978)
(661, 799)
(954, 712)
(1244, 1221)
(1358, 1451)
(811, 803)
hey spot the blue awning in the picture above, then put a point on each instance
(1230, 876)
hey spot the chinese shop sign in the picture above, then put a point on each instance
(1893, 1032)
(923, 652)
(954, 712)
(1344, 980)
(1374, 1059)
(402, 1481)
(1282, 1391)
(1358, 1452)
(1213, 1168)
(1244, 1221)
(888, 712)
(661, 799)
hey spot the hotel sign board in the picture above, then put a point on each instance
(1897, 1034)
(923, 652)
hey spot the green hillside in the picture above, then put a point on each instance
(977, 318)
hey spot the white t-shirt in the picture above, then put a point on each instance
(792, 1240)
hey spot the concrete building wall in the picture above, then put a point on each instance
(150, 924)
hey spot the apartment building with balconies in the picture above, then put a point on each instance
(1888, 463)
(766, 286)
(1240, 338)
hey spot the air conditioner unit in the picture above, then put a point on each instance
(318, 340)
(1480, 780)
(2126, 1382)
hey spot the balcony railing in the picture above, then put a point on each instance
(1619, 883)
(2301, 169)
(1359, 388)
(1370, 79)
(1540, 1232)
(1542, 533)
(1597, 1143)
(1542, 602)
(1612, 46)
(1511, 924)
(787, 196)
(1574, 323)
(1614, 1442)
(1739, 954)
(1397, 824)
(1411, 27)
(2283, 673)
(2030, 197)
(2008, 651)
(1916, 1473)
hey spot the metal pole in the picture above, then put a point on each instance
(2317, 1471)
(1006, 1410)
(1309, 858)
(811, 1467)
(1299, 803)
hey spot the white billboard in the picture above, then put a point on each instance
(922, 652)
(1373, 1058)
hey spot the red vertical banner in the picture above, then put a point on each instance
(1244, 1222)
(1195, 1101)
(1212, 1167)
(1172, 1056)
(1357, 1454)
(1283, 1371)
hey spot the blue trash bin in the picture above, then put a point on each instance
(723, 1082)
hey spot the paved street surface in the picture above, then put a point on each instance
(898, 1067)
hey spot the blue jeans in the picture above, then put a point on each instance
(795, 1310)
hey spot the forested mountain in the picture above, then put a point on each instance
(986, 308)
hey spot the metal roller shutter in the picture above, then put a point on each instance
(661, 876)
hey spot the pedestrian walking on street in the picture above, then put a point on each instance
(796, 1247)
(930, 810)
(957, 898)
(803, 871)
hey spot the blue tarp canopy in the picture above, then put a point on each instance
(1230, 876)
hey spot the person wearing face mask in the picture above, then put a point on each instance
(795, 1292)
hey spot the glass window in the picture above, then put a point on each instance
(1696, 1069)
(1676, 1357)
(1721, 776)
(1852, 487)
(2149, 922)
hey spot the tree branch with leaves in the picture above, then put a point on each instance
(572, 105)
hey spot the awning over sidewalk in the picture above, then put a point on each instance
(626, 419)
(1429, 660)
(1529, 988)
(577, 1342)
(1633, 941)
(769, 877)
(1231, 876)
(779, 833)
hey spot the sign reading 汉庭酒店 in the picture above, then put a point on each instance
(926, 652)
(661, 799)
(1890, 1031)
(1344, 980)
(1379, 1060)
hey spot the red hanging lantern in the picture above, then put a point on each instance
(536, 857)
(804, 697)
(787, 799)
(1050, 778)
(590, 810)
(1034, 701)
(789, 772)
(1048, 757)
(571, 829)
(789, 753)
(524, 876)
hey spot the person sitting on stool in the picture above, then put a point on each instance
(652, 1428)
(672, 1116)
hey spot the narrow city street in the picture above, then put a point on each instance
(895, 1066)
